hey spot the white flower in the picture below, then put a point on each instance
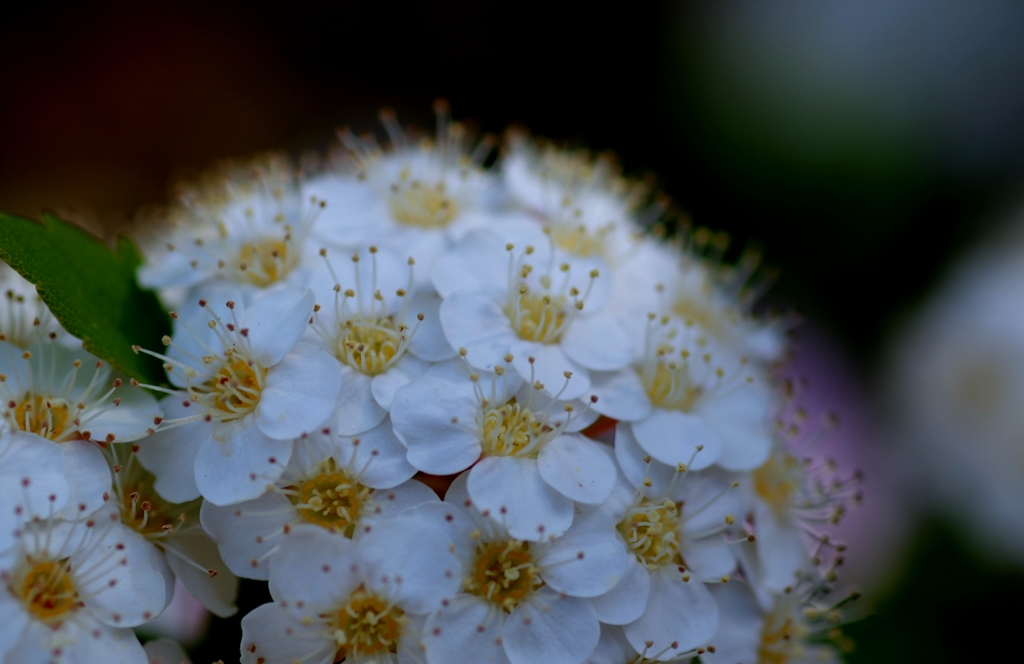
(30, 473)
(191, 556)
(382, 334)
(521, 601)
(344, 485)
(25, 320)
(70, 591)
(674, 523)
(358, 601)
(783, 633)
(414, 196)
(530, 299)
(533, 468)
(70, 401)
(689, 400)
(248, 225)
(248, 388)
(583, 200)
(615, 648)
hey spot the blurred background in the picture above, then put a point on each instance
(875, 149)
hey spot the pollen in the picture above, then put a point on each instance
(503, 573)
(47, 590)
(367, 625)
(651, 531)
(332, 500)
(266, 261)
(44, 416)
(511, 430)
(539, 318)
(371, 345)
(669, 386)
(579, 241)
(415, 203)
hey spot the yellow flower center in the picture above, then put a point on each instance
(143, 510)
(44, 416)
(504, 573)
(651, 531)
(669, 386)
(511, 429)
(265, 262)
(47, 590)
(371, 346)
(538, 317)
(367, 625)
(237, 386)
(777, 482)
(332, 500)
(578, 241)
(782, 639)
(414, 203)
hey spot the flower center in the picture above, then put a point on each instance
(777, 482)
(578, 241)
(371, 345)
(366, 625)
(504, 573)
(47, 590)
(511, 430)
(538, 317)
(265, 262)
(414, 203)
(44, 416)
(695, 310)
(144, 511)
(651, 531)
(669, 386)
(332, 500)
(781, 639)
(236, 387)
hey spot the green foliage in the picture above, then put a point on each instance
(90, 288)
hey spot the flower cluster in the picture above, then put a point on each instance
(452, 410)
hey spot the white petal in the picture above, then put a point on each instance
(741, 421)
(552, 629)
(165, 651)
(578, 468)
(276, 322)
(88, 476)
(613, 648)
(672, 437)
(244, 532)
(384, 386)
(598, 342)
(479, 263)
(216, 593)
(429, 342)
(121, 595)
(587, 561)
(454, 520)
(626, 601)
(464, 625)
(739, 632)
(238, 462)
(549, 367)
(477, 323)
(422, 415)
(356, 410)
(130, 420)
(411, 563)
(514, 494)
(620, 395)
(677, 612)
(314, 571)
(711, 558)
(31, 471)
(102, 643)
(300, 393)
(171, 454)
(33, 646)
(780, 548)
(378, 454)
(13, 620)
(271, 635)
(387, 503)
(631, 457)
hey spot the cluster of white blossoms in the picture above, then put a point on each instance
(454, 409)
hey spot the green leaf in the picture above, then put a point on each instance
(90, 288)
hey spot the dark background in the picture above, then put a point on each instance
(862, 167)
